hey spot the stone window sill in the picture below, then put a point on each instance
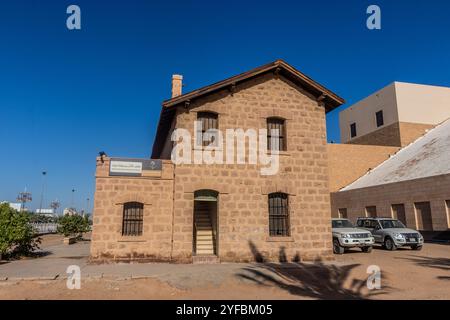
(279, 239)
(132, 239)
(281, 153)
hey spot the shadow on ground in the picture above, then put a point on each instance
(314, 280)
(435, 263)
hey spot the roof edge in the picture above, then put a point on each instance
(332, 99)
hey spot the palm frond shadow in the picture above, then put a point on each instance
(313, 280)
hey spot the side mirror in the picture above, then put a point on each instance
(377, 227)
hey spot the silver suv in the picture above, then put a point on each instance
(345, 236)
(391, 233)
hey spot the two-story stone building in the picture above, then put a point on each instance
(162, 211)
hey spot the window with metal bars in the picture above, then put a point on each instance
(277, 141)
(209, 121)
(279, 215)
(133, 219)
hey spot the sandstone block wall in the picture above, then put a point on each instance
(348, 162)
(243, 216)
(435, 190)
(111, 192)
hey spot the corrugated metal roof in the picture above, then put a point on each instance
(427, 156)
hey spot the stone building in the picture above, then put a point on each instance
(411, 183)
(159, 210)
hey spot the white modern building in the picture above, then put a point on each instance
(395, 115)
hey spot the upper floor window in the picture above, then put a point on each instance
(276, 139)
(279, 214)
(133, 219)
(380, 119)
(209, 120)
(353, 130)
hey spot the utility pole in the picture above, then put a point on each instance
(87, 205)
(73, 195)
(44, 173)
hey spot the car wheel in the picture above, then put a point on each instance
(367, 249)
(416, 247)
(337, 248)
(389, 244)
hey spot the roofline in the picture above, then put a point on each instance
(329, 99)
(333, 100)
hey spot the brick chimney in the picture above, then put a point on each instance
(177, 84)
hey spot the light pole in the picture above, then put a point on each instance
(87, 205)
(44, 173)
(73, 195)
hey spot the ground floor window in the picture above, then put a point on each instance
(342, 213)
(133, 219)
(423, 215)
(371, 211)
(398, 212)
(279, 214)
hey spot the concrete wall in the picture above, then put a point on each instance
(363, 113)
(348, 162)
(422, 103)
(435, 189)
(408, 109)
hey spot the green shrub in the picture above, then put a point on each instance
(74, 225)
(16, 234)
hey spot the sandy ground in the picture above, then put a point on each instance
(406, 274)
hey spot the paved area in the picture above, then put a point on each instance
(406, 274)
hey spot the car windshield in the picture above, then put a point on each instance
(341, 224)
(386, 224)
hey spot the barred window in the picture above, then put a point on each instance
(279, 214)
(209, 121)
(133, 218)
(277, 124)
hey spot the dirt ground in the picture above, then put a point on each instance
(406, 274)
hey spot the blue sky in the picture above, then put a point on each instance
(66, 95)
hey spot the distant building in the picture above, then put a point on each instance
(395, 115)
(70, 212)
(15, 206)
(45, 211)
(412, 184)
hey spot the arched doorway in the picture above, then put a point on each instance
(205, 223)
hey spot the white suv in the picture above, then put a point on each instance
(345, 236)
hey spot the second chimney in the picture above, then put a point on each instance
(177, 84)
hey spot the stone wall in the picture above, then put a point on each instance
(155, 191)
(435, 190)
(243, 216)
(348, 162)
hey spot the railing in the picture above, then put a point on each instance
(45, 228)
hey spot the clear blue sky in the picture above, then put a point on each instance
(66, 95)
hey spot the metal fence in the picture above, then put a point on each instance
(44, 228)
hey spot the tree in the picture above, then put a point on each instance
(16, 233)
(73, 225)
